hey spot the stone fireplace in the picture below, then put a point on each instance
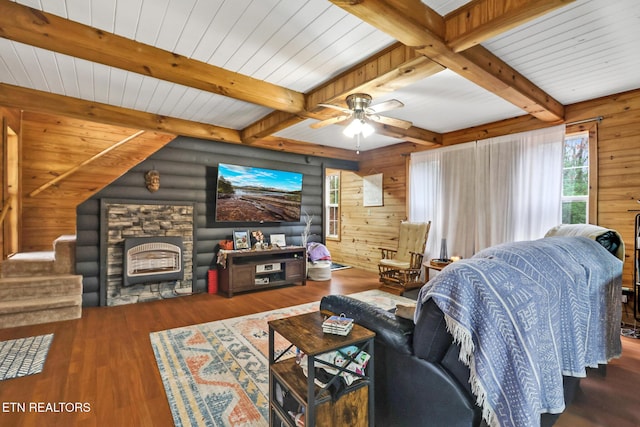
(152, 259)
(148, 252)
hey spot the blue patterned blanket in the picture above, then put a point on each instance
(527, 313)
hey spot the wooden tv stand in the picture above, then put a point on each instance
(250, 270)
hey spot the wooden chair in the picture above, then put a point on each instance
(402, 267)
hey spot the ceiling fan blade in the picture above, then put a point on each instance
(398, 123)
(391, 104)
(327, 122)
(335, 107)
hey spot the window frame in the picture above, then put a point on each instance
(591, 129)
(331, 175)
(11, 189)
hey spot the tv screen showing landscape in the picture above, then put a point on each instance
(249, 194)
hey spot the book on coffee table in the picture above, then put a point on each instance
(339, 325)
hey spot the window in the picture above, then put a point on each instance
(333, 205)
(575, 179)
(455, 187)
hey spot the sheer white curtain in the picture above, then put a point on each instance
(480, 194)
(518, 186)
(441, 190)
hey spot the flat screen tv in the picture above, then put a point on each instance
(249, 194)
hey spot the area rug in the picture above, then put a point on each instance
(337, 266)
(23, 356)
(216, 374)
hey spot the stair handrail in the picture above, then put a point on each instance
(83, 163)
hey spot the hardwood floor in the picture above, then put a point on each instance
(105, 361)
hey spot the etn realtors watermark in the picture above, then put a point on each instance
(45, 407)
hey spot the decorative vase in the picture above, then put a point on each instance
(443, 250)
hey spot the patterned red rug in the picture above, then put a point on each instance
(216, 374)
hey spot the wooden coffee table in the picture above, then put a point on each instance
(355, 407)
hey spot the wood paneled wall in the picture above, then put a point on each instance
(54, 145)
(51, 145)
(364, 230)
(618, 164)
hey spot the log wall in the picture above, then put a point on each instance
(188, 173)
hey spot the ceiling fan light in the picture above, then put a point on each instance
(366, 129)
(353, 129)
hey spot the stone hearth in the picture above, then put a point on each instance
(126, 220)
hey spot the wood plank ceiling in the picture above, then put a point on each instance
(254, 72)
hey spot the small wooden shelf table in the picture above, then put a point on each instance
(428, 266)
(355, 407)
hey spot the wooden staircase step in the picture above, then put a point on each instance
(59, 261)
(40, 287)
(41, 310)
(42, 256)
(39, 304)
(21, 288)
(28, 264)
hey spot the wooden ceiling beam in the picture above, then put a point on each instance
(494, 129)
(475, 64)
(479, 20)
(389, 70)
(34, 100)
(413, 134)
(482, 67)
(30, 26)
(422, 14)
(268, 125)
(33, 27)
(292, 146)
(44, 102)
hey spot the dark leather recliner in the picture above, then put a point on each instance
(419, 380)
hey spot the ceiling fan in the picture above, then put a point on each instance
(360, 113)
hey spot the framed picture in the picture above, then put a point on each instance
(372, 190)
(241, 239)
(278, 240)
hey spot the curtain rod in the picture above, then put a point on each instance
(593, 119)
